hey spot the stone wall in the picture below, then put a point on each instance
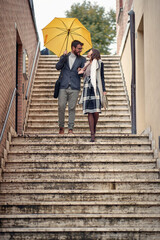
(16, 27)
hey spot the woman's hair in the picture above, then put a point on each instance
(95, 54)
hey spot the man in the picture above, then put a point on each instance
(69, 84)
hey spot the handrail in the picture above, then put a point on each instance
(5, 122)
(33, 65)
(133, 83)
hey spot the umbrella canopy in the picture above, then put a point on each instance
(60, 32)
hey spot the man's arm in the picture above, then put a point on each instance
(61, 62)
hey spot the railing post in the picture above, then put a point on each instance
(133, 82)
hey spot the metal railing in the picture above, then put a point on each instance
(133, 82)
(33, 65)
(15, 90)
(5, 122)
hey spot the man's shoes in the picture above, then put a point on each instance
(61, 130)
(70, 131)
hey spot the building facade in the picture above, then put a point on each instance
(18, 45)
(147, 59)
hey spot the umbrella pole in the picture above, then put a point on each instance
(67, 38)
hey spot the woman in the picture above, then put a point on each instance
(93, 90)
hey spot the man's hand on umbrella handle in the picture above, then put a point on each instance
(65, 52)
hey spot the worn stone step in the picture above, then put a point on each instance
(92, 174)
(82, 195)
(80, 220)
(51, 81)
(125, 138)
(78, 146)
(77, 156)
(81, 207)
(105, 124)
(111, 105)
(43, 185)
(107, 120)
(50, 95)
(53, 71)
(50, 90)
(53, 100)
(37, 131)
(81, 164)
(44, 118)
(45, 83)
(52, 68)
(105, 61)
(51, 116)
(81, 233)
(77, 129)
(117, 112)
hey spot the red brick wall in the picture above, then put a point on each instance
(122, 19)
(16, 24)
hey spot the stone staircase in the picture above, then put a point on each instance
(65, 187)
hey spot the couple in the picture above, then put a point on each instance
(73, 66)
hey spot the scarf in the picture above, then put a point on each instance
(96, 76)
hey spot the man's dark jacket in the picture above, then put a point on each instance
(70, 77)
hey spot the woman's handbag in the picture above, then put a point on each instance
(57, 86)
(105, 102)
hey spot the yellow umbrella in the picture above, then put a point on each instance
(60, 32)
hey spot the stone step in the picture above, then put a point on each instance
(80, 124)
(54, 106)
(83, 120)
(111, 77)
(53, 80)
(78, 156)
(43, 185)
(52, 68)
(54, 73)
(78, 146)
(80, 138)
(105, 61)
(54, 115)
(79, 112)
(54, 123)
(102, 119)
(81, 233)
(111, 104)
(109, 233)
(81, 164)
(81, 195)
(50, 95)
(80, 220)
(44, 117)
(48, 130)
(50, 90)
(78, 207)
(77, 129)
(53, 100)
(50, 87)
(42, 174)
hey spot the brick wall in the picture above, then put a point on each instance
(16, 25)
(122, 9)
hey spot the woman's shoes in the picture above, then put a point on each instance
(92, 138)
